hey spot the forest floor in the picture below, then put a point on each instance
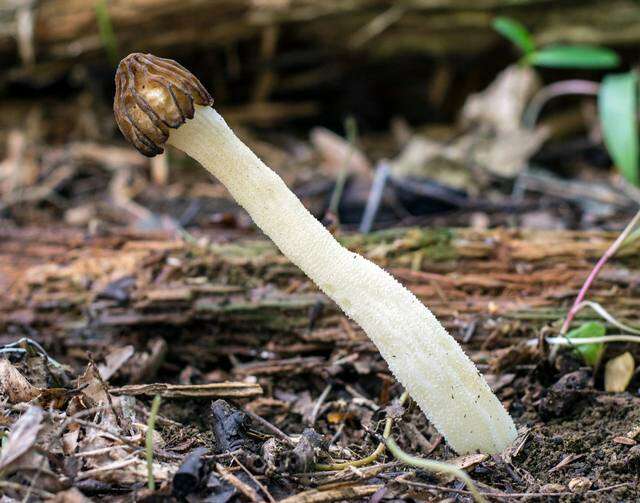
(261, 371)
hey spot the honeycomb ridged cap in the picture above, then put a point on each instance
(152, 95)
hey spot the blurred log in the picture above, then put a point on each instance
(40, 37)
(63, 284)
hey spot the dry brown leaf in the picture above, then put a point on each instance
(92, 388)
(143, 366)
(426, 158)
(14, 385)
(618, 372)
(501, 105)
(336, 152)
(70, 441)
(22, 436)
(506, 154)
(465, 462)
(114, 360)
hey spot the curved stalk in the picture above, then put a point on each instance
(420, 353)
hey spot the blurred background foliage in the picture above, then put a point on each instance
(410, 75)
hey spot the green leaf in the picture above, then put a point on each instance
(618, 106)
(574, 56)
(515, 32)
(591, 353)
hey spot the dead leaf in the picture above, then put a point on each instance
(465, 462)
(469, 461)
(14, 385)
(70, 441)
(336, 152)
(506, 154)
(114, 360)
(618, 372)
(501, 105)
(22, 436)
(92, 388)
(426, 158)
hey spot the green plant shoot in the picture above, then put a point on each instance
(590, 353)
(585, 57)
(555, 56)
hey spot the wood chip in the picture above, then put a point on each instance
(618, 373)
(335, 494)
(624, 441)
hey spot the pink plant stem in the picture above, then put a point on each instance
(611, 251)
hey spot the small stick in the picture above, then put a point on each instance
(375, 196)
(245, 489)
(318, 404)
(255, 480)
(273, 429)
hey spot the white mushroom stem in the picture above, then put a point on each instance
(420, 353)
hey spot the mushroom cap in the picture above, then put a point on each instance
(152, 95)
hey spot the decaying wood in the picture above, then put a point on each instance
(482, 284)
(49, 35)
(211, 390)
(346, 492)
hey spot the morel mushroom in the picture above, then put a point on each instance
(158, 101)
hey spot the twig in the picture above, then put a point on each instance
(377, 25)
(255, 480)
(611, 251)
(89, 424)
(210, 390)
(245, 489)
(359, 493)
(273, 429)
(5, 484)
(375, 196)
(504, 495)
(565, 341)
(116, 465)
(318, 404)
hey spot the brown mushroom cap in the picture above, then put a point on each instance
(152, 95)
